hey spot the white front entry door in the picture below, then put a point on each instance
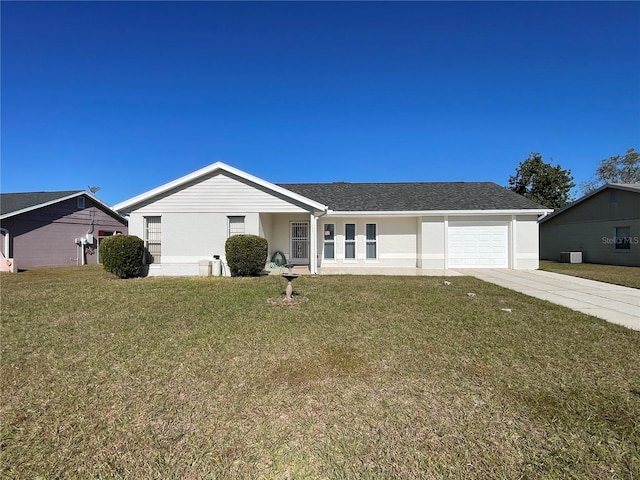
(299, 243)
(478, 246)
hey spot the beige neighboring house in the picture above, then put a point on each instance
(604, 225)
(341, 227)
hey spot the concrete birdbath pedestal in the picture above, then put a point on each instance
(290, 277)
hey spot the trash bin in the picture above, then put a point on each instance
(217, 266)
(205, 268)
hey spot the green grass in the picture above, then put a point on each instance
(618, 275)
(372, 377)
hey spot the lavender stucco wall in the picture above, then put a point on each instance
(45, 237)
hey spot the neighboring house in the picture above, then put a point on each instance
(54, 228)
(346, 226)
(604, 225)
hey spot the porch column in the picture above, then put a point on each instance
(511, 238)
(313, 244)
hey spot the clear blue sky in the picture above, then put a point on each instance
(131, 95)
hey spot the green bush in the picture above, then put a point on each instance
(246, 255)
(122, 255)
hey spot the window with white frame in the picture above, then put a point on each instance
(622, 238)
(371, 241)
(350, 241)
(80, 202)
(153, 238)
(236, 225)
(329, 252)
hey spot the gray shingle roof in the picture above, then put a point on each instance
(412, 196)
(13, 202)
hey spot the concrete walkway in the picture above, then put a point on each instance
(613, 303)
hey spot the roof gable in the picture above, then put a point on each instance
(206, 173)
(13, 204)
(628, 187)
(414, 196)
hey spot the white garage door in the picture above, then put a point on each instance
(478, 246)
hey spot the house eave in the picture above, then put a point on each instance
(435, 213)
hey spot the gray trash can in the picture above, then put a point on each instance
(204, 268)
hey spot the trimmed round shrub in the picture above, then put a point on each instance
(246, 255)
(122, 255)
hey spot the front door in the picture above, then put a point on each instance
(300, 243)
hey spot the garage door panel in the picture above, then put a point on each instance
(477, 246)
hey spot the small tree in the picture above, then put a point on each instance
(246, 254)
(617, 169)
(542, 183)
(122, 255)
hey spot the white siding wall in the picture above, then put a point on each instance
(195, 224)
(188, 238)
(527, 243)
(266, 221)
(397, 239)
(136, 225)
(219, 193)
(433, 242)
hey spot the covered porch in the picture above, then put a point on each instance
(293, 239)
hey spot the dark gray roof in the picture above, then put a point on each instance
(13, 202)
(412, 196)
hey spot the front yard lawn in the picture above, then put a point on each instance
(371, 377)
(626, 276)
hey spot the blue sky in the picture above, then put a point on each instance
(131, 95)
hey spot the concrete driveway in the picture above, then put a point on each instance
(613, 303)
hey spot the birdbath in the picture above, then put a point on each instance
(290, 277)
